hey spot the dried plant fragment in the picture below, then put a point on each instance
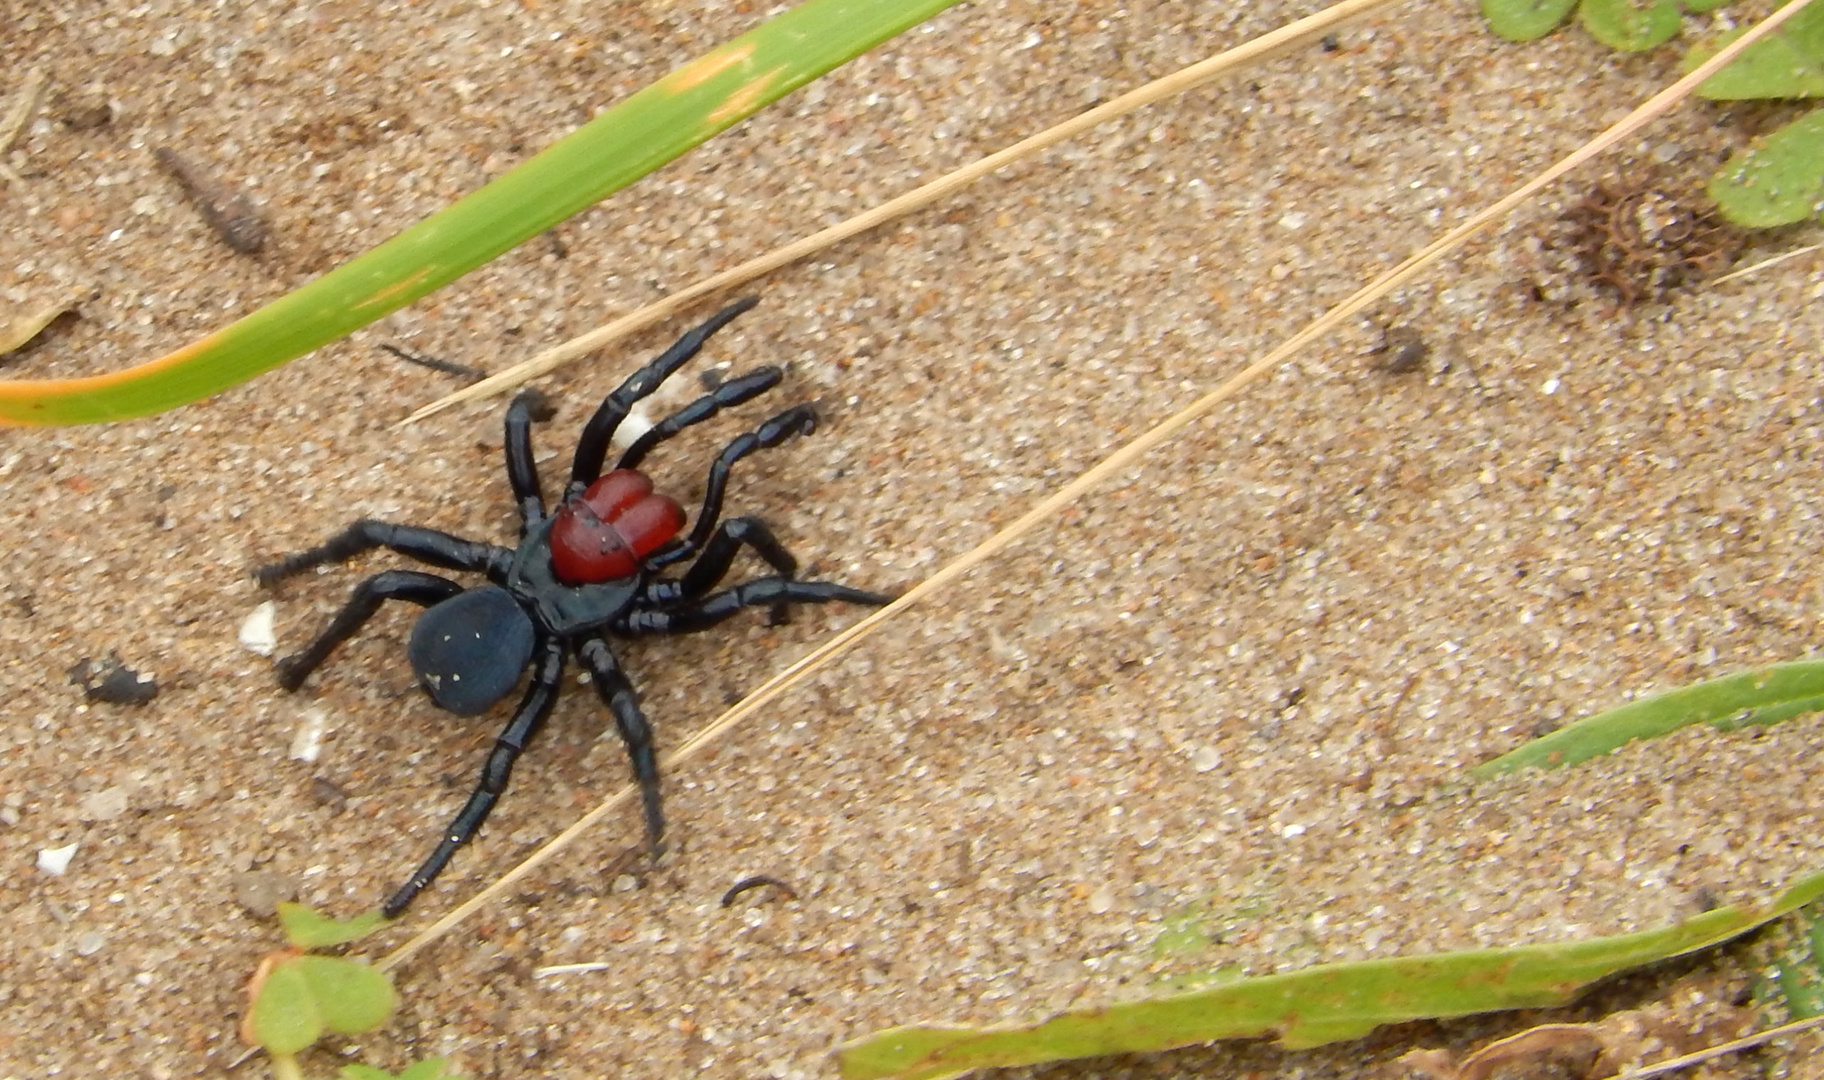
(16, 116)
(1695, 1015)
(231, 214)
(16, 330)
(1642, 242)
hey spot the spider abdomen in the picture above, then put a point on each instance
(468, 651)
(602, 534)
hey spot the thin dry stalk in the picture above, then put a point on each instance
(1230, 62)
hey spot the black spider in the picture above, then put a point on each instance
(588, 570)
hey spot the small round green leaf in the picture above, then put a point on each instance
(1778, 181)
(304, 996)
(284, 1018)
(1525, 20)
(1631, 27)
(350, 996)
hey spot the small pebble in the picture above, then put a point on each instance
(257, 633)
(307, 740)
(11, 805)
(111, 681)
(54, 861)
(1205, 759)
(90, 943)
(260, 892)
(83, 110)
(105, 805)
(1102, 901)
(326, 793)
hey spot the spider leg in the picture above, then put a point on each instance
(425, 545)
(617, 693)
(718, 554)
(797, 420)
(522, 472)
(733, 392)
(412, 585)
(592, 447)
(770, 592)
(534, 707)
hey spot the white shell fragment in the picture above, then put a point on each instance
(257, 634)
(54, 861)
(307, 740)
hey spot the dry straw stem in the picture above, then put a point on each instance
(1656, 106)
(1767, 264)
(1261, 49)
(1736, 1046)
(14, 121)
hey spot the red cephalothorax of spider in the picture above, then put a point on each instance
(602, 534)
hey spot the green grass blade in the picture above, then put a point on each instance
(1313, 1006)
(661, 122)
(1756, 697)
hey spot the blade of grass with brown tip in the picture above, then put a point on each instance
(661, 122)
(1313, 1006)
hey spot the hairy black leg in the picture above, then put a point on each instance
(592, 447)
(522, 472)
(797, 420)
(731, 393)
(425, 545)
(718, 606)
(534, 707)
(617, 693)
(411, 585)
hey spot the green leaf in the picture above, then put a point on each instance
(428, 1069)
(1749, 698)
(1624, 25)
(284, 1019)
(351, 996)
(1703, 5)
(304, 996)
(307, 929)
(1789, 63)
(1525, 20)
(1777, 181)
(661, 122)
(1307, 1008)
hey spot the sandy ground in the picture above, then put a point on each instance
(1247, 677)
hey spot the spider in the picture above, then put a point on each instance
(590, 570)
